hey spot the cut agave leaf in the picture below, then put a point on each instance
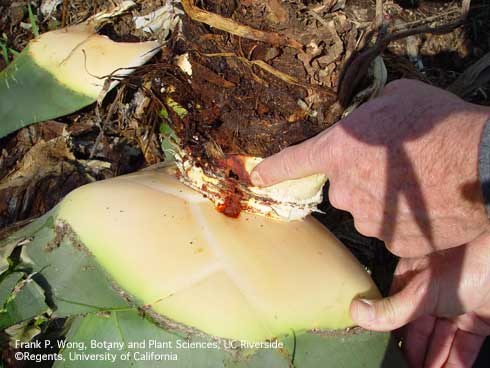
(144, 258)
(65, 70)
(26, 300)
(309, 350)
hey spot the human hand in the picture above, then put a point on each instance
(444, 299)
(405, 165)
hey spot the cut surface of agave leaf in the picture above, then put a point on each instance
(153, 259)
(253, 278)
(64, 70)
(286, 201)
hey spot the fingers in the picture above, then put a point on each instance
(440, 344)
(418, 298)
(417, 336)
(433, 343)
(359, 203)
(304, 159)
(464, 350)
(338, 197)
(474, 323)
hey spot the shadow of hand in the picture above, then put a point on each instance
(402, 164)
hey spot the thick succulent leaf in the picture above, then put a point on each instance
(357, 348)
(7, 285)
(309, 350)
(73, 279)
(5, 251)
(248, 278)
(25, 302)
(63, 71)
(124, 328)
(30, 94)
(42, 228)
(157, 245)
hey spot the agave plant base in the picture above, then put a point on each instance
(143, 270)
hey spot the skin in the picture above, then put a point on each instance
(443, 300)
(406, 166)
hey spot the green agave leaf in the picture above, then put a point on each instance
(4, 261)
(131, 340)
(131, 334)
(62, 71)
(30, 94)
(7, 286)
(74, 280)
(65, 274)
(25, 302)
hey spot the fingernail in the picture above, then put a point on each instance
(364, 311)
(256, 179)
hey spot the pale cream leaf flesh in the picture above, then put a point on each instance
(251, 278)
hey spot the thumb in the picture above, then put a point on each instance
(304, 159)
(417, 298)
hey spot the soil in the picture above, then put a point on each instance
(244, 96)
